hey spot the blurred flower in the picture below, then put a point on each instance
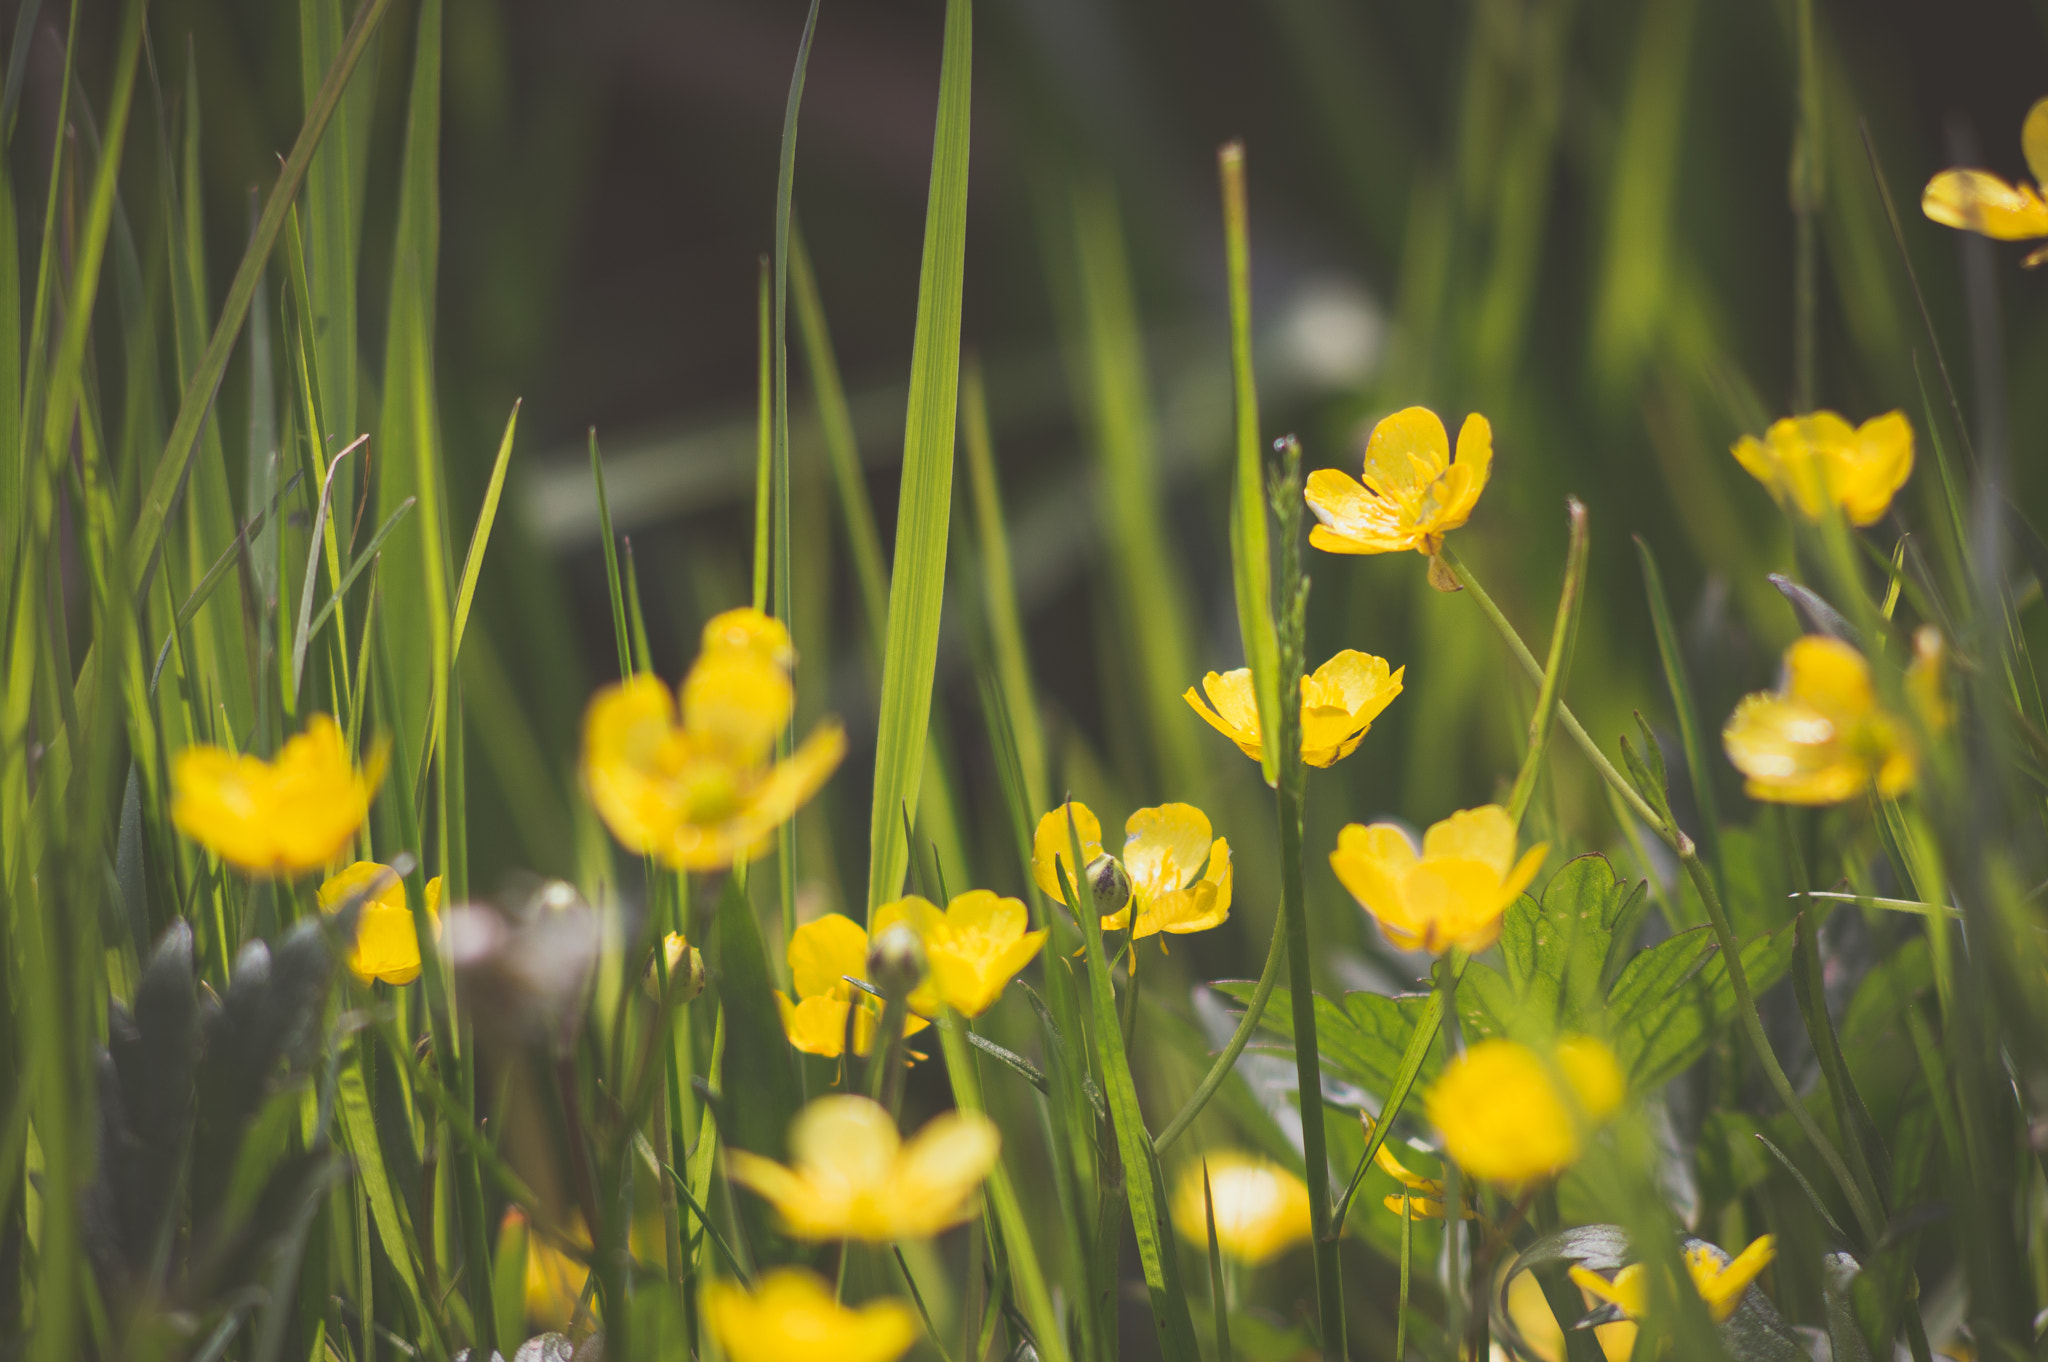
(1451, 894)
(822, 954)
(1261, 1208)
(1820, 460)
(706, 792)
(524, 973)
(854, 1178)
(1720, 1280)
(1414, 491)
(1421, 1198)
(973, 949)
(791, 1316)
(281, 817)
(1504, 1116)
(1978, 201)
(1822, 737)
(386, 947)
(685, 968)
(1338, 704)
(557, 1270)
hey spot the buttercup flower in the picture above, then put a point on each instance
(1978, 201)
(387, 948)
(1812, 462)
(1166, 850)
(1261, 1208)
(1721, 1281)
(791, 1317)
(1414, 492)
(972, 949)
(855, 1178)
(704, 793)
(1822, 737)
(1451, 894)
(556, 1277)
(1421, 1198)
(1338, 704)
(1504, 1116)
(281, 817)
(822, 954)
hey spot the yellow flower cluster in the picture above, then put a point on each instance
(1450, 893)
(705, 792)
(1338, 704)
(1511, 1115)
(282, 817)
(1261, 1208)
(1978, 201)
(1822, 737)
(823, 954)
(1179, 873)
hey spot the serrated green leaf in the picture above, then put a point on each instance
(1670, 1001)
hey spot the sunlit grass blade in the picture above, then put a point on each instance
(371, 548)
(924, 508)
(1012, 664)
(1216, 1295)
(764, 441)
(480, 537)
(1563, 636)
(1689, 734)
(611, 562)
(320, 539)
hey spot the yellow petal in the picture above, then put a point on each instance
(1352, 519)
(792, 1317)
(747, 630)
(816, 1026)
(823, 951)
(1978, 201)
(2034, 140)
(1452, 901)
(1261, 1209)
(1051, 843)
(1485, 834)
(287, 816)
(1594, 1075)
(387, 945)
(630, 749)
(355, 879)
(1372, 863)
(940, 1171)
(1829, 675)
(1501, 1116)
(1722, 1285)
(1882, 461)
(1164, 848)
(1236, 715)
(1469, 473)
(844, 1140)
(735, 703)
(1409, 450)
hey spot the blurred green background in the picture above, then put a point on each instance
(1571, 215)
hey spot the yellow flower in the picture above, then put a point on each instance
(1453, 893)
(856, 1179)
(972, 949)
(747, 630)
(1720, 1280)
(1261, 1208)
(703, 793)
(822, 953)
(281, 817)
(557, 1267)
(792, 1317)
(1338, 704)
(1180, 877)
(1978, 201)
(1816, 461)
(1822, 737)
(1414, 491)
(1503, 1115)
(387, 947)
(1422, 1198)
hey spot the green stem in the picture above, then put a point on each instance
(1220, 1070)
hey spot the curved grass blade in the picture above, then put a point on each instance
(480, 537)
(1216, 1299)
(1680, 684)
(363, 559)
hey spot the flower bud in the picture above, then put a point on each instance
(1110, 883)
(896, 963)
(685, 969)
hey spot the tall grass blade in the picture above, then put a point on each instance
(924, 506)
(1563, 637)
(480, 537)
(319, 540)
(1689, 734)
(1216, 1296)
(620, 633)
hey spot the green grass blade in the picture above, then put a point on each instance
(204, 383)
(480, 537)
(764, 446)
(363, 559)
(320, 538)
(1216, 1296)
(924, 509)
(333, 223)
(1250, 551)
(1563, 638)
(1689, 733)
(611, 562)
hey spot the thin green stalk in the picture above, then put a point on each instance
(1806, 197)
(1689, 735)
(764, 440)
(1563, 635)
(1220, 1070)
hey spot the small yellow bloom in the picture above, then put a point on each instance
(281, 817)
(1421, 1198)
(972, 949)
(554, 1280)
(387, 947)
(1051, 844)
(792, 1317)
(855, 1178)
(685, 968)
(1450, 894)
(1978, 201)
(1822, 737)
(1504, 1117)
(703, 793)
(747, 630)
(1261, 1208)
(1338, 704)
(1180, 876)
(1414, 491)
(1812, 462)
(1720, 1280)
(822, 954)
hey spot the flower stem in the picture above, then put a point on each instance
(1220, 1070)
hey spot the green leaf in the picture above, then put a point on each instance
(480, 537)
(924, 508)
(1671, 999)
(1363, 1037)
(359, 1133)
(1557, 950)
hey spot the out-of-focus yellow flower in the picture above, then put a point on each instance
(1338, 704)
(1810, 463)
(1978, 201)
(1421, 1198)
(1720, 1280)
(1414, 491)
(791, 1317)
(972, 949)
(1822, 737)
(747, 630)
(1261, 1208)
(281, 817)
(1452, 893)
(855, 1178)
(556, 1278)
(1504, 1116)
(822, 954)
(705, 792)
(685, 969)
(1180, 876)
(387, 947)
